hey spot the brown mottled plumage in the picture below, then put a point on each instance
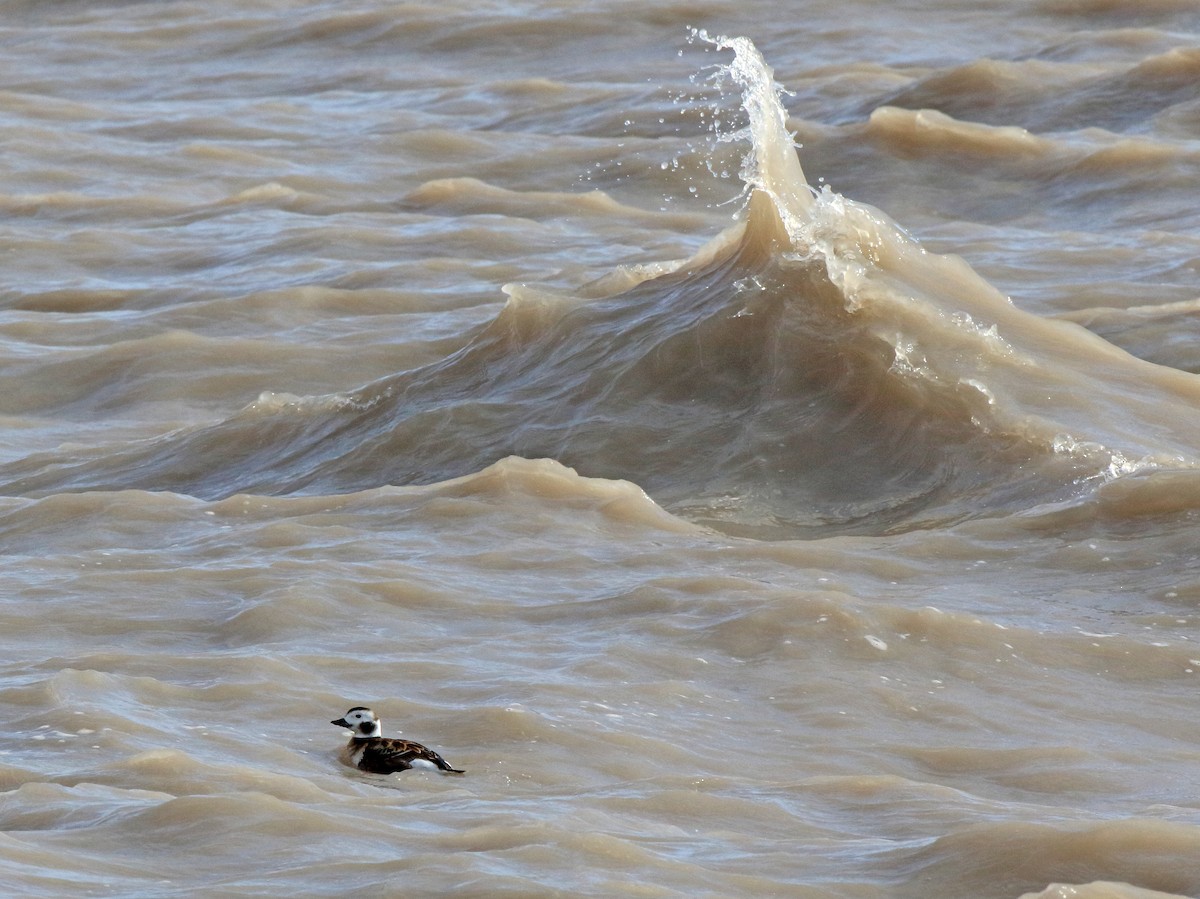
(368, 750)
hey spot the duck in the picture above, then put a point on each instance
(369, 750)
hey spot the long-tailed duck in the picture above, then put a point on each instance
(368, 750)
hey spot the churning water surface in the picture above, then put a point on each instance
(757, 441)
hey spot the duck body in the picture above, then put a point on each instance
(370, 751)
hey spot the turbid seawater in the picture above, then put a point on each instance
(757, 441)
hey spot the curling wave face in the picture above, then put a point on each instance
(811, 370)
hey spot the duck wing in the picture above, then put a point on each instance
(385, 755)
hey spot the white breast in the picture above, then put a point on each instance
(352, 754)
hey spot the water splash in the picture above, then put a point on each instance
(770, 164)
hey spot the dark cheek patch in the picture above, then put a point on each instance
(366, 727)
